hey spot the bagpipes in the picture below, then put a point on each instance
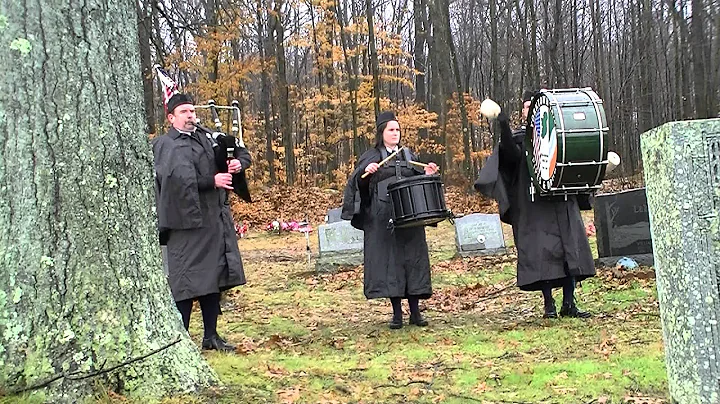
(227, 147)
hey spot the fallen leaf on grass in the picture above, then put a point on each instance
(643, 400)
(247, 346)
(564, 390)
(338, 342)
(276, 371)
(607, 344)
(288, 396)
(481, 388)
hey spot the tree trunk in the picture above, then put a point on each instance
(442, 72)
(534, 64)
(82, 292)
(461, 95)
(264, 45)
(700, 46)
(369, 11)
(359, 143)
(282, 89)
(494, 58)
(144, 32)
(213, 51)
(648, 97)
(421, 33)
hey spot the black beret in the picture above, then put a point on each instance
(177, 100)
(528, 95)
(385, 117)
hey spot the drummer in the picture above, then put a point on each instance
(552, 245)
(396, 261)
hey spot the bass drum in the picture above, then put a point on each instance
(418, 201)
(566, 142)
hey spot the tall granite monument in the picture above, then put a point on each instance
(681, 163)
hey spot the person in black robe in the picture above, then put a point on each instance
(396, 261)
(551, 240)
(194, 221)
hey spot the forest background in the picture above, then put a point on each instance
(311, 76)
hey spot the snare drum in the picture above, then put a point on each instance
(418, 201)
(566, 142)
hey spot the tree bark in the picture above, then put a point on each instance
(82, 291)
(213, 51)
(442, 85)
(700, 46)
(282, 89)
(144, 33)
(359, 143)
(460, 94)
(369, 12)
(421, 33)
(264, 46)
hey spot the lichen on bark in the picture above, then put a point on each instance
(81, 287)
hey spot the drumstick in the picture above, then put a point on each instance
(417, 163)
(383, 162)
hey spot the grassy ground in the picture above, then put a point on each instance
(314, 338)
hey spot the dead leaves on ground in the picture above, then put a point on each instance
(485, 264)
(465, 298)
(312, 203)
(622, 183)
(616, 276)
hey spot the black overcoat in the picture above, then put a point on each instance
(194, 219)
(549, 233)
(396, 262)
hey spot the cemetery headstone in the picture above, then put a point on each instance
(681, 162)
(333, 215)
(623, 227)
(340, 245)
(479, 234)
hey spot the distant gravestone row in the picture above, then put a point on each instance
(342, 245)
(621, 219)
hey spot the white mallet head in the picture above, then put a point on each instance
(613, 161)
(489, 109)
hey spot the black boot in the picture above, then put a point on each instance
(415, 317)
(571, 310)
(396, 322)
(550, 310)
(549, 303)
(215, 342)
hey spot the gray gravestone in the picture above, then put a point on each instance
(333, 215)
(682, 175)
(479, 234)
(340, 245)
(623, 227)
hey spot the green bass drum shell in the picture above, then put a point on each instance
(566, 142)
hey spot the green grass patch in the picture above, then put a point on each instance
(314, 340)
